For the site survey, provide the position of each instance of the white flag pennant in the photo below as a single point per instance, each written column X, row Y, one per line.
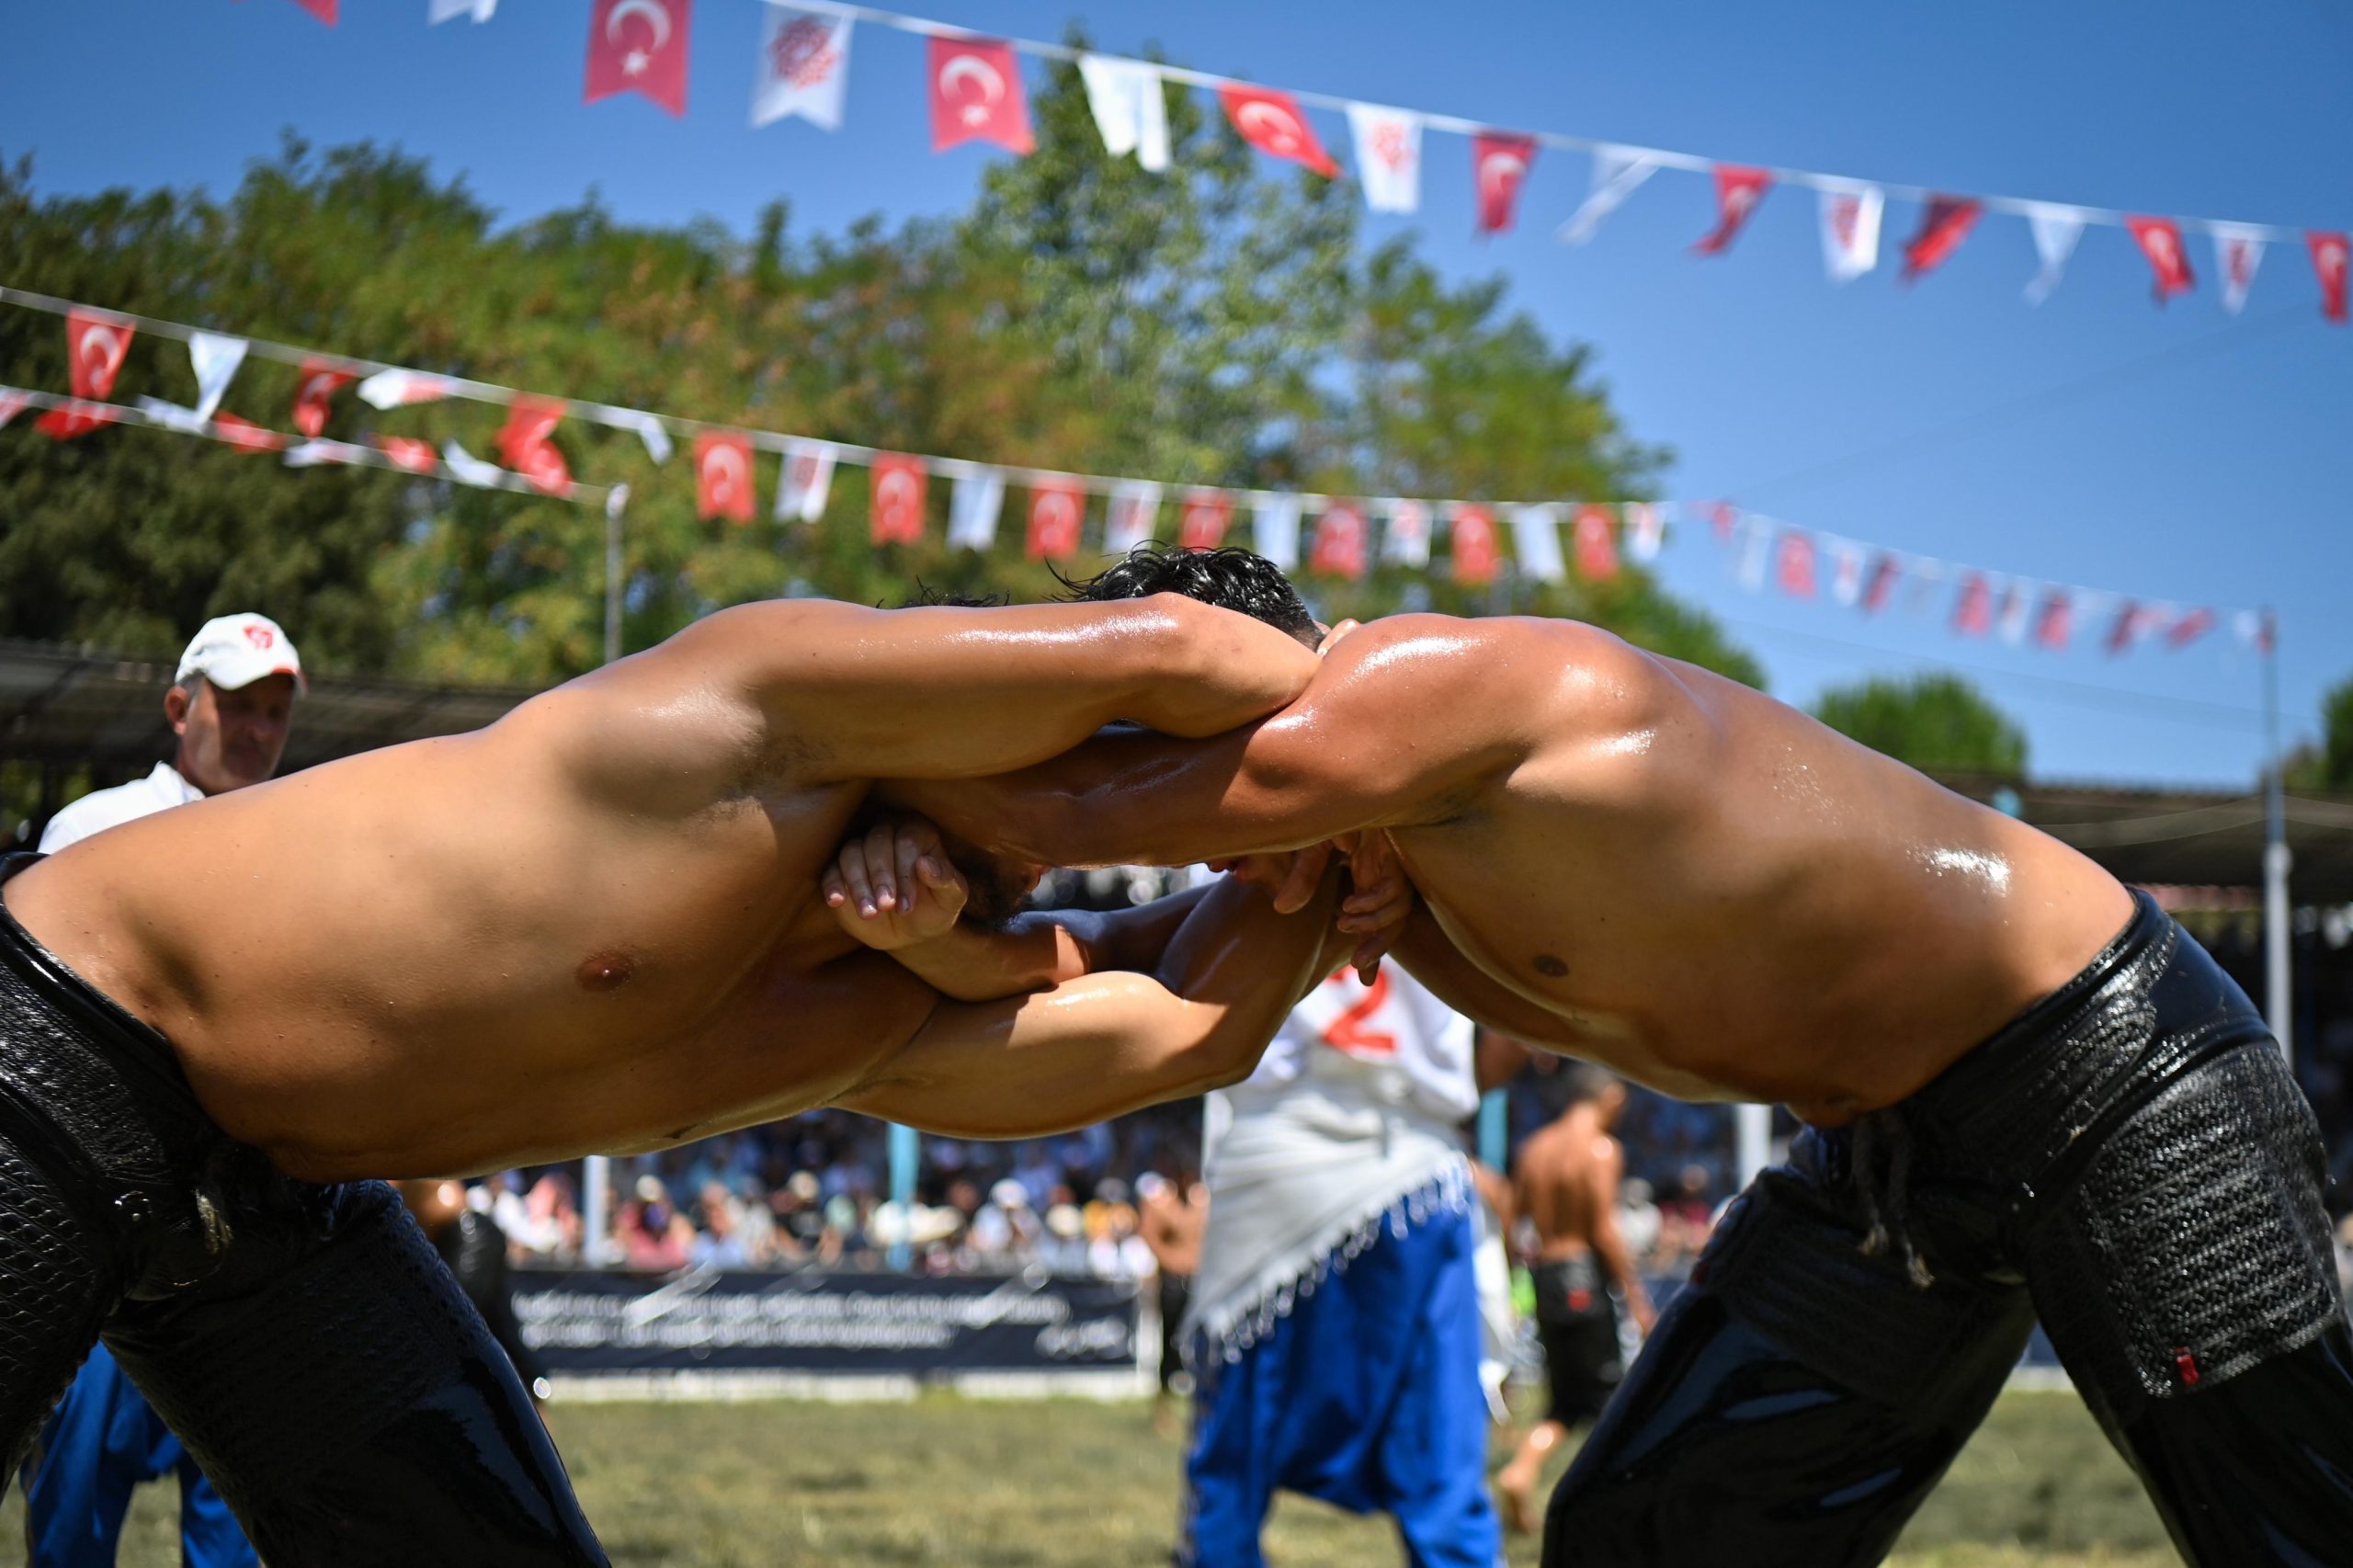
column 313, row 454
column 1757, row 539
column 479, row 10
column 1130, row 110
column 468, row 469
column 808, row 480
column 804, row 67
column 391, row 389
column 647, row 428
column 215, row 359
column 2056, row 230
column 1407, row 539
column 1618, row 173
column 1536, row 541
column 1645, row 528
column 1389, row 156
column 1850, row 216
column 1846, row 571
column 1275, row 529
column 974, row 509
column 1134, row 511
column 170, row 416
column 2238, row 250
column 2017, row 605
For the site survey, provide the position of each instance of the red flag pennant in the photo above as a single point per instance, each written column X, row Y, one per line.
column 2132, row 622
column 1738, row 190
column 1880, row 587
column 1057, row 507
column 1595, row 544
column 1272, row 122
column 526, row 444
column 976, row 94
column 95, row 345
column 73, row 421
column 897, row 515
column 1499, row 166
column 247, row 436
column 2189, row 628
column 1723, row 516
column 405, row 451
column 723, row 483
column 1944, row 223
column 1794, row 568
column 1475, row 552
column 2329, row 255
column 314, row 394
column 1201, row 524
column 324, row 10
column 639, row 46
column 1340, row 542
column 2160, row 241
column 2054, row 623
column 1975, row 617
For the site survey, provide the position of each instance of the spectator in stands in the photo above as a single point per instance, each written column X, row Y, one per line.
column 653, row 1235
column 1062, row 1250
column 230, row 706
column 719, row 1235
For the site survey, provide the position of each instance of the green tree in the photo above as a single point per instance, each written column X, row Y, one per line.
column 1935, row 721
column 2330, row 764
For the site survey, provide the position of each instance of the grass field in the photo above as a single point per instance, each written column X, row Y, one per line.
column 1073, row 1485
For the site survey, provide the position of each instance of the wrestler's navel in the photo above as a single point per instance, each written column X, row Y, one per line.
column 1547, row 964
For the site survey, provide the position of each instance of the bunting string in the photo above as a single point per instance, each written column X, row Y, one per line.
column 977, row 94
column 1347, row 537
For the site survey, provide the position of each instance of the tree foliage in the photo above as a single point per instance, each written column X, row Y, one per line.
column 1213, row 324
column 2328, row 764
column 1936, row 721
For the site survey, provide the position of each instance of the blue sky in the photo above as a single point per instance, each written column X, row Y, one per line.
column 2169, row 454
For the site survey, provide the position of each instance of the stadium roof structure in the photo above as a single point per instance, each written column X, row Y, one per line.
column 72, row 709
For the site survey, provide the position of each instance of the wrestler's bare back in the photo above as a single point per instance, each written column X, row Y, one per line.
column 1621, row 855
column 595, row 925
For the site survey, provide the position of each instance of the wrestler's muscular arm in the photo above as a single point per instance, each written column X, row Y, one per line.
column 1602, row 1174
column 1108, row 1043
column 1401, row 722
column 935, row 693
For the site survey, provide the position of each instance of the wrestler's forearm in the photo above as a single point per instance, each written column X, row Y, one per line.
column 1042, row 949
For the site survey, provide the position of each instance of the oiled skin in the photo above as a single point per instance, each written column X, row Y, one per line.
column 595, row 923
column 1621, row 855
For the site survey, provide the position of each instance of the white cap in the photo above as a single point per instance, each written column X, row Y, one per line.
column 232, row 651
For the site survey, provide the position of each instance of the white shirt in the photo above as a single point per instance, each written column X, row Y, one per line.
column 1391, row 1041
column 103, row 808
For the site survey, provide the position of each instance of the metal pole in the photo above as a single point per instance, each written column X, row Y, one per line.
column 2278, row 1008
column 1752, row 1140
column 902, row 1186
column 1495, row 1129
column 596, row 1170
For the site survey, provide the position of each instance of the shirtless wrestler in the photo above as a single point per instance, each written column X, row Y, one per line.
column 2030, row 1091
column 593, row 926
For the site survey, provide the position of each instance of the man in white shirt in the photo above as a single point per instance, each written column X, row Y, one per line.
column 229, row 704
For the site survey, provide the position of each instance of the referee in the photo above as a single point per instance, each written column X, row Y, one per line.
column 229, row 704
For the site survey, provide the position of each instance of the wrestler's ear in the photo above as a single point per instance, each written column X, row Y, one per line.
column 175, row 707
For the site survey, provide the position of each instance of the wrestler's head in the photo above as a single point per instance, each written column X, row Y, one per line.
column 1582, row 1082
column 1238, row 580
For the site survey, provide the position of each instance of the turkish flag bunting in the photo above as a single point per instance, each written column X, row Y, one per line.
column 2160, row 241
column 12, row 404
column 1475, row 554
column 2133, row 621
column 1975, row 617
column 2330, row 252
column 247, row 436
column 1723, row 516
column 1057, row 506
column 976, row 94
column 1272, row 122
column 1595, row 544
column 639, row 46
column 73, row 421
column 1944, row 223
column 408, row 452
column 897, row 516
column 724, row 483
column 1880, row 587
column 525, row 443
column 324, row 10
column 1499, row 166
column 2055, row 621
column 95, row 345
column 1340, row 538
column 314, row 394
column 1738, row 190
column 2192, row 625
column 1201, row 524
column 1794, row 567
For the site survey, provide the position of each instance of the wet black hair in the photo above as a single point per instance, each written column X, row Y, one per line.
column 1228, row 577
column 1583, row 1081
